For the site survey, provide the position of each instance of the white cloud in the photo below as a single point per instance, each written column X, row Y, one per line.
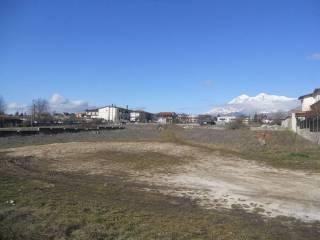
column 13, row 105
column 314, row 56
column 262, row 103
column 16, row 107
column 59, row 103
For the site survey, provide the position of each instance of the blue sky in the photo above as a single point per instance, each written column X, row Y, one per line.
column 163, row 55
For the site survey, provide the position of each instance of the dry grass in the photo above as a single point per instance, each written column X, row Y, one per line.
column 60, row 205
column 140, row 161
column 281, row 149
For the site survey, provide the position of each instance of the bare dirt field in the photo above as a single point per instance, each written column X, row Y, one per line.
column 175, row 184
column 214, row 181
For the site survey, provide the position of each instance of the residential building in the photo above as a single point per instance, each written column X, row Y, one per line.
column 193, row 119
column 92, row 113
column 225, row 120
column 306, row 122
column 114, row 114
column 80, row 115
column 309, row 110
column 166, row 117
column 206, row 119
column 140, row 116
column 182, row 118
column 309, row 99
column 88, row 114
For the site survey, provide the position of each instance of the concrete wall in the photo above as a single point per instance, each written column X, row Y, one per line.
column 293, row 124
column 311, row 136
column 287, row 123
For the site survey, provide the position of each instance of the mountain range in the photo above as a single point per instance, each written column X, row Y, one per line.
column 262, row 103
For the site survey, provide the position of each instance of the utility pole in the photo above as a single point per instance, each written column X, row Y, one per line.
column 33, row 109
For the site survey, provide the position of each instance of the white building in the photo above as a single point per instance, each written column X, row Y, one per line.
column 134, row 116
column 114, row 114
column 88, row 114
column 140, row 116
column 309, row 99
column 91, row 113
column 307, row 103
column 225, row 120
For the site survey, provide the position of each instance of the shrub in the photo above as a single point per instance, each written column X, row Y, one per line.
column 237, row 124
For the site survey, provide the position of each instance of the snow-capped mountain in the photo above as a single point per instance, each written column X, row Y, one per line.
column 262, row 103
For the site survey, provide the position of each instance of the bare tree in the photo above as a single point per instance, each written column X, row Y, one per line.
column 39, row 109
column 3, row 106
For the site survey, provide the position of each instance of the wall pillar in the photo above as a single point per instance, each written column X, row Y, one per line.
column 293, row 122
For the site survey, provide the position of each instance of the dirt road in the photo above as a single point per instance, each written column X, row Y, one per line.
column 212, row 180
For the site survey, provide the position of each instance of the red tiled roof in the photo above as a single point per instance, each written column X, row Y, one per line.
column 306, row 114
column 166, row 114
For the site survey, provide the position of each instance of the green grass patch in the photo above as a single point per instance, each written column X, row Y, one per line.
column 298, row 155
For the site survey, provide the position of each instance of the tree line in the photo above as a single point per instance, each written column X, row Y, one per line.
column 38, row 108
column 38, row 112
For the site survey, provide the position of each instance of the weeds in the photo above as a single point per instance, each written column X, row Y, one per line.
column 61, row 205
column 280, row 149
column 96, row 207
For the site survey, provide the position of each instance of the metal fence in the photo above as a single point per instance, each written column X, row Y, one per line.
column 311, row 123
